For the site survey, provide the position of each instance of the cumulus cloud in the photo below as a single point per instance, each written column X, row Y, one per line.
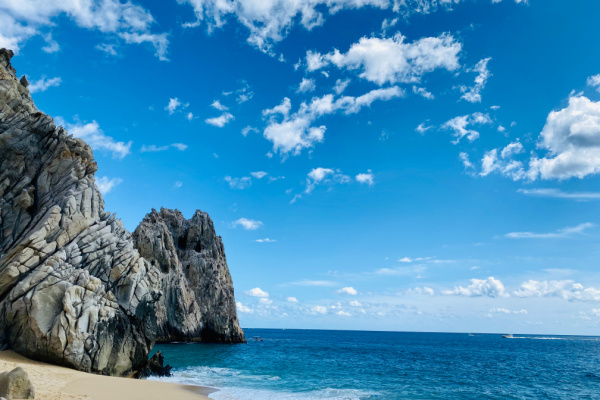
column 341, row 85
column 423, row 92
column 256, row 292
column 502, row 161
column 248, row 224
column 347, row 290
column 366, row 178
column 318, row 310
column 307, row 85
column 95, row 137
column 594, row 81
column 422, row 290
column 221, row 120
column 292, row 133
column 490, row 287
column 473, row 94
column 154, row 148
column 243, row 309
column 354, row 303
column 269, row 22
column 292, row 300
column 259, row 174
column 239, row 183
column 460, row 125
column 23, row 19
column 566, row 289
column 217, row 105
column 324, row 176
column 248, row 129
column 43, row 84
column 557, row 193
column 561, row 233
column 422, row 128
column 105, row 184
column 175, row 105
column 571, row 137
column 391, row 60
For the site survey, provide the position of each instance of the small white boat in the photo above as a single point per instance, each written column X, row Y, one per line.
column 509, row 336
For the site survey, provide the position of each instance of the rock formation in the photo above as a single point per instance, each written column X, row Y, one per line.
column 74, row 291
column 15, row 384
column 198, row 302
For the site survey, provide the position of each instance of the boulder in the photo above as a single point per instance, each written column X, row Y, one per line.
column 15, row 384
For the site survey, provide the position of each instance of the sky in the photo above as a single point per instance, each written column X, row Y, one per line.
column 405, row 165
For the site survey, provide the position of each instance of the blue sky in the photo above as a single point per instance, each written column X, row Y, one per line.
column 370, row 164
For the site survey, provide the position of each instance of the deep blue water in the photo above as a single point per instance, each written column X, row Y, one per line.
column 311, row 364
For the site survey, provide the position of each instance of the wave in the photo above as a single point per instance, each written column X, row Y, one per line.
column 237, row 385
column 555, row 338
column 235, row 393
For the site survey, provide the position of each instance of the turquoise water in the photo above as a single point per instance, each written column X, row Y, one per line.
column 311, row 364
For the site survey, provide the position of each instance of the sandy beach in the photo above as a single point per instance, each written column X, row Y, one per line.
column 58, row 383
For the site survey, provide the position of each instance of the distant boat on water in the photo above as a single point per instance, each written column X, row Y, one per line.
column 258, row 339
column 509, row 336
column 470, row 334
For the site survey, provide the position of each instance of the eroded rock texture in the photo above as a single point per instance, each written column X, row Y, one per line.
column 73, row 289
column 198, row 301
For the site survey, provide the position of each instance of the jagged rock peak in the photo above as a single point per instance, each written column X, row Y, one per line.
column 199, row 302
column 73, row 289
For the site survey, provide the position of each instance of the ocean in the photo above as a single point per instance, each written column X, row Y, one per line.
column 314, row 364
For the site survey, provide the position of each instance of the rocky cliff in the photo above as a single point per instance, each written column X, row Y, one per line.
column 74, row 290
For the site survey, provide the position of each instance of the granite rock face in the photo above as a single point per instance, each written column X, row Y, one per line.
column 74, row 290
column 198, row 302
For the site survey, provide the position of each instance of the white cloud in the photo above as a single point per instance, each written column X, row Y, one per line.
column 265, row 240
column 177, row 184
column 500, row 310
column 23, row 19
column 561, row 233
column 366, row 178
column 43, row 84
column 292, row 300
column 105, row 184
column 405, row 260
column 391, row 60
column 422, row 128
column 503, row 162
column 423, row 92
column 307, row 85
column 473, row 94
column 269, row 22
column 95, row 137
column 248, row 129
column 343, row 313
column 154, row 148
column 594, row 81
column 292, row 133
column 423, row 290
column 248, row 224
column 107, row 48
column 318, row 310
column 256, row 292
column 324, row 176
column 239, row 183
column 217, row 105
column 175, row 105
column 347, row 290
column 557, row 193
column 464, row 157
column 566, row 289
column 220, row 121
column 572, row 138
column 243, row 309
column 490, row 287
column 461, row 124
column 259, row 174
column 341, row 85
column 354, row 303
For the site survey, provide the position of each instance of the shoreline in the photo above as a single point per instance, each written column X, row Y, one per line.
column 52, row 382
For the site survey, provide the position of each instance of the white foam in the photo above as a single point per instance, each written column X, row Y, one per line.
column 235, row 393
